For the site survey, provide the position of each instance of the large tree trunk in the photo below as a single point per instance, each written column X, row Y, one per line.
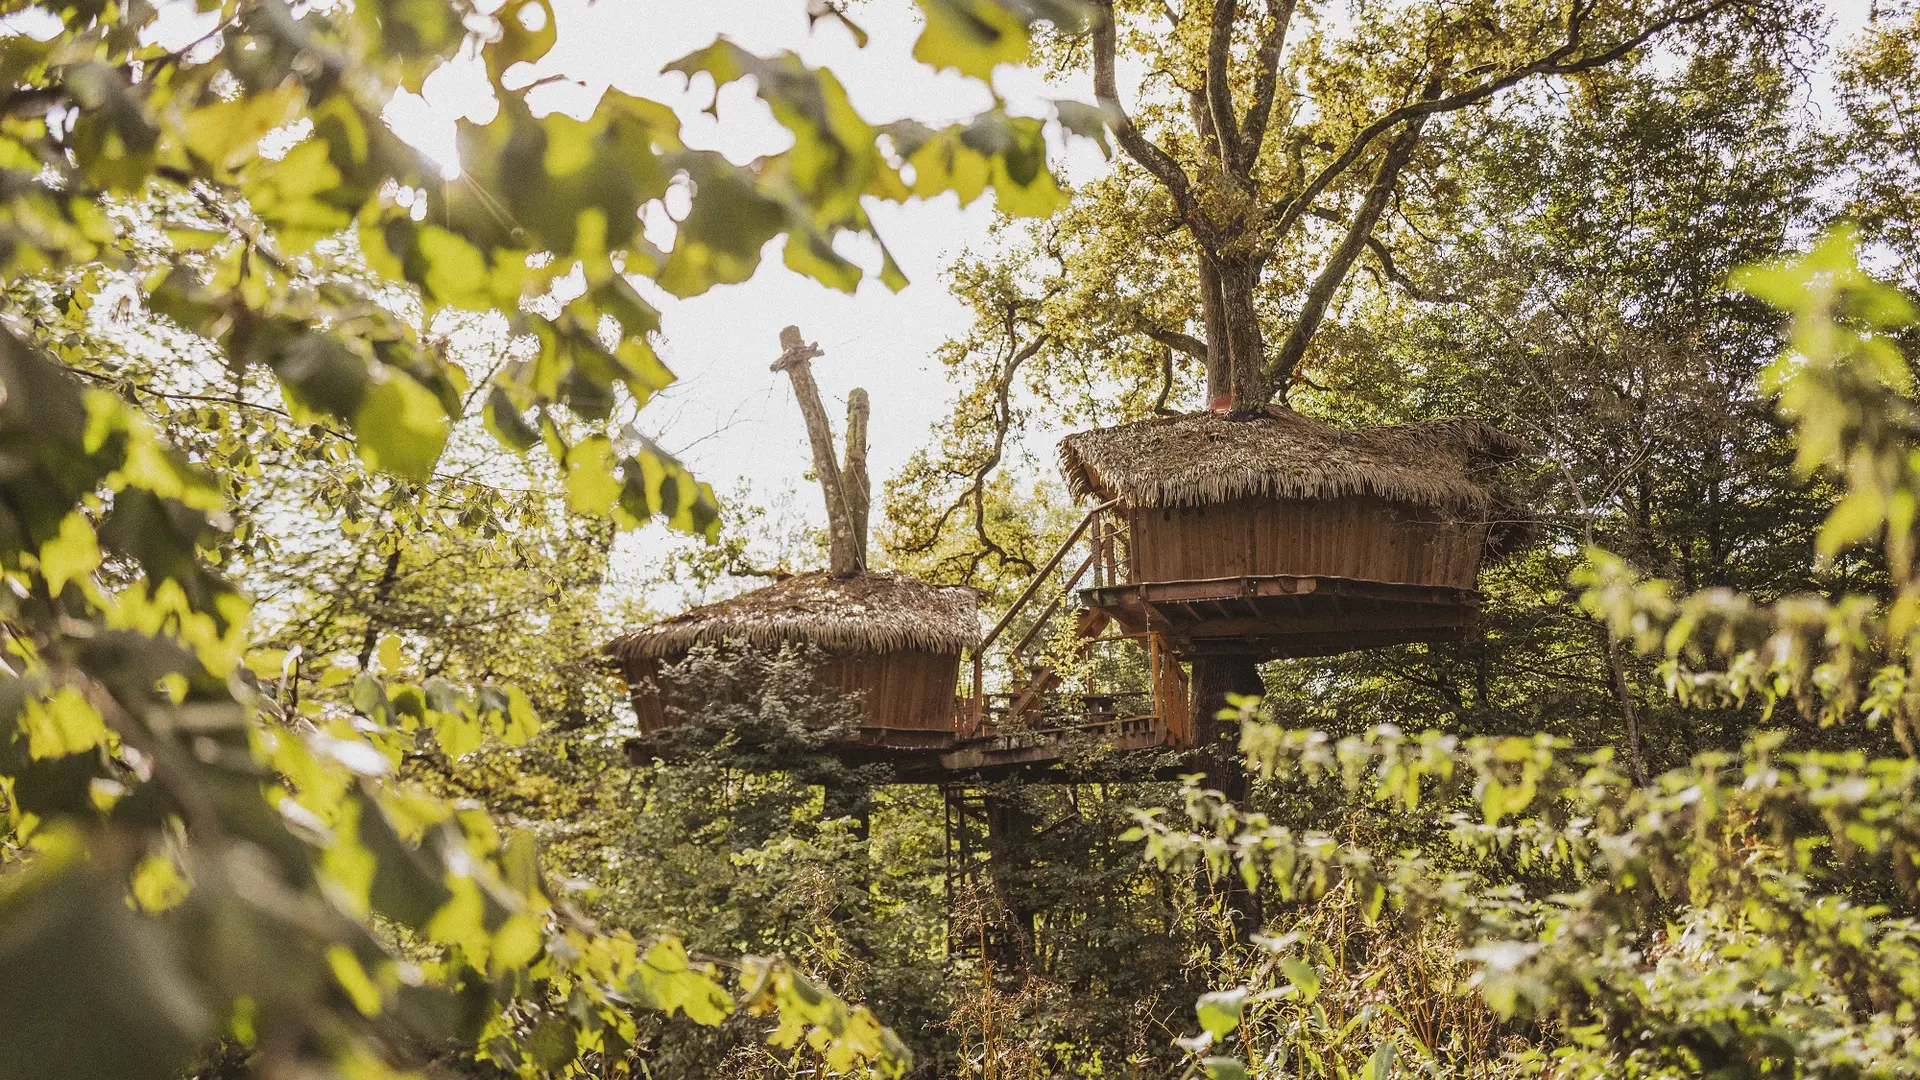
column 1236, row 344
column 1215, row 677
column 1245, row 341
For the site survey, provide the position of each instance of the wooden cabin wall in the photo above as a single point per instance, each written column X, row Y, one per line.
column 1355, row 537
column 908, row 690
column 649, row 706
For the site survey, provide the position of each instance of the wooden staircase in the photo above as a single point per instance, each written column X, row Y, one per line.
column 1033, row 722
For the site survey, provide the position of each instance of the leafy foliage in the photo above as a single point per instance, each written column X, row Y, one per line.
column 220, row 261
column 1746, row 914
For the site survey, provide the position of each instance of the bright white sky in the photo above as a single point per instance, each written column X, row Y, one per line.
column 729, row 417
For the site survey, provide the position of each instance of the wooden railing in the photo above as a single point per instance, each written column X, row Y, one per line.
column 1032, row 705
column 974, row 714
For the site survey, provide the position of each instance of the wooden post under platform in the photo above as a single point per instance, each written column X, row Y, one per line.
column 1214, row 678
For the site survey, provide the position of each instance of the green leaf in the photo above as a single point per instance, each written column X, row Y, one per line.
column 552, row 1044
column 527, row 31
column 72, row 554
column 92, row 991
column 1224, row 1068
column 62, row 724
column 456, row 272
column 392, row 659
column 507, row 423
column 457, row 733
column 1304, row 978
column 400, row 427
column 353, row 979
column 1219, row 1011
column 224, row 133
column 1380, row 1065
column 1086, row 121
column 522, row 721
column 592, row 487
column 1858, row 517
column 971, row 36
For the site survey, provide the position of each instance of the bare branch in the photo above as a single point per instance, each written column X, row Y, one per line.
column 1003, row 421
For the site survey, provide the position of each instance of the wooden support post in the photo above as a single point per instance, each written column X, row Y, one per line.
column 1170, row 701
column 846, row 557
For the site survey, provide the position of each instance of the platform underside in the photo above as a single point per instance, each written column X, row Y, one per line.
column 1082, row 752
column 1277, row 616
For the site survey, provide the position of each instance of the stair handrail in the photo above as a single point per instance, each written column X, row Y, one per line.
column 1026, row 597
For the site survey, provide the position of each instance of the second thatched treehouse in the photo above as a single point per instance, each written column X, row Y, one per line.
column 887, row 640
column 1281, row 535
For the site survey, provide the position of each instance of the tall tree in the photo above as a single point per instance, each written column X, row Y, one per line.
column 1273, row 134
column 1210, row 270
column 1878, row 83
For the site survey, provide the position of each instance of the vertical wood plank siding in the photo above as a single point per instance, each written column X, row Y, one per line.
column 909, row 690
column 1355, row 537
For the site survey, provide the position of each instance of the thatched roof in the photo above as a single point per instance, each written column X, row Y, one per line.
column 1206, row 458
column 872, row 613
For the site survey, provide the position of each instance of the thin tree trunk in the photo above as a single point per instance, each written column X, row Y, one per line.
column 845, row 557
column 853, row 471
column 1629, row 711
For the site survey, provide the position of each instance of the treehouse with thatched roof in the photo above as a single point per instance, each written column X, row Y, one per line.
column 887, row 641
column 1281, row 535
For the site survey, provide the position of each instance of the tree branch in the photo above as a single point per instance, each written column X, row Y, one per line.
column 1331, row 275
column 1166, row 385
column 1561, row 61
column 1003, row 421
column 1219, row 81
column 1407, row 284
column 1174, row 339
column 1156, row 161
column 1390, row 271
column 1266, row 82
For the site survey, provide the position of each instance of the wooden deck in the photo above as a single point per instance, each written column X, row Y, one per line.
column 1099, row 749
column 1283, row 615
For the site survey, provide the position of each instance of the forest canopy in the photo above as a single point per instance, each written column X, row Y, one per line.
column 315, row 457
